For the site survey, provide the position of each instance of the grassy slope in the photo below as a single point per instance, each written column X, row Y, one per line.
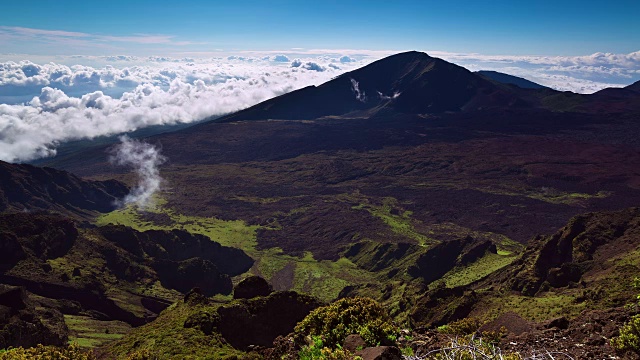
column 167, row 338
column 88, row 332
column 323, row 279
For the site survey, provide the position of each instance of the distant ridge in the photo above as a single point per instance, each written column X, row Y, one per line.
column 409, row 82
column 31, row 188
column 510, row 79
column 634, row 87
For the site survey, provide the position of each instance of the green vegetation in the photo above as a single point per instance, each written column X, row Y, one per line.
column 477, row 270
column 400, row 223
column 89, row 333
column 168, row 338
column 554, row 196
column 316, row 350
column 407, row 351
column 71, row 352
column 234, row 233
column 629, row 339
column 537, row 308
column 323, row 279
column 466, row 326
column 334, row 322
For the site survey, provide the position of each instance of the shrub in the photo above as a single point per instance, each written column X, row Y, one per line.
column 316, row 350
column 334, row 322
column 71, row 352
column 466, row 326
column 144, row 354
column 629, row 339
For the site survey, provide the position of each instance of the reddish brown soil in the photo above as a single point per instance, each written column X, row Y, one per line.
column 484, row 171
column 586, row 337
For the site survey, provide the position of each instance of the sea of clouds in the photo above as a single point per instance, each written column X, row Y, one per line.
column 45, row 103
column 581, row 74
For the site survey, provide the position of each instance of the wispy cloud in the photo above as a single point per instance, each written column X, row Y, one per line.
column 145, row 159
column 85, row 40
column 15, row 30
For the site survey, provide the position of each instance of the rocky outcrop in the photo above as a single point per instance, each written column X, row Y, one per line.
column 27, row 187
column 353, row 343
column 21, row 324
column 439, row 259
column 177, row 259
column 562, row 258
column 181, row 260
column 442, row 306
column 373, row 256
column 195, row 272
column 39, row 235
column 259, row 321
column 252, row 287
column 178, row 245
column 380, row 353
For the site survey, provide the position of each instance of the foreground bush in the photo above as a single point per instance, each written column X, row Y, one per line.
column 334, row 322
column 71, row 352
column 318, row 351
column 629, row 339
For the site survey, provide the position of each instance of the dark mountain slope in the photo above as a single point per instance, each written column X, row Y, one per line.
column 119, row 272
column 622, row 100
column 27, row 187
column 588, row 264
column 588, row 244
column 410, row 82
column 635, row 86
column 510, row 79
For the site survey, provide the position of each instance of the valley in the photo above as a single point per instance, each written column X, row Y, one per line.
column 469, row 201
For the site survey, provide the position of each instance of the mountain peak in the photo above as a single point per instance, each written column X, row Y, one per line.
column 410, row 82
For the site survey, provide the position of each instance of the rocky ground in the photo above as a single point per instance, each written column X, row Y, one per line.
column 584, row 337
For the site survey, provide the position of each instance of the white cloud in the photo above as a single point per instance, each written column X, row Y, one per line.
column 346, row 59
column 44, row 102
column 76, row 102
column 581, row 74
column 313, row 66
column 281, row 58
column 309, row 65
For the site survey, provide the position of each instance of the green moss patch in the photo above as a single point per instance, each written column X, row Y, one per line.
column 323, row 279
column 477, row 270
column 88, row 332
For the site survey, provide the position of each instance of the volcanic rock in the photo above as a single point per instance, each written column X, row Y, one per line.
column 251, row 287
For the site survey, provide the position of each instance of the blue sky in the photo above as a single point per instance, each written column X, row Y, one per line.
column 156, row 27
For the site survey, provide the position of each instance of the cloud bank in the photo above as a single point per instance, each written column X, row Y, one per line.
column 45, row 103
column 582, row 74
column 80, row 102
